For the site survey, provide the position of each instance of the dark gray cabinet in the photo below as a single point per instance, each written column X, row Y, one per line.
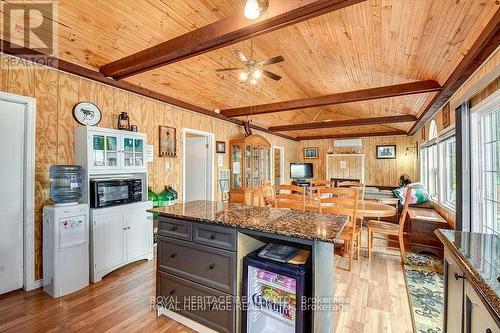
column 198, row 260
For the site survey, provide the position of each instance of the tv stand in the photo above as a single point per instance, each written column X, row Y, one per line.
column 302, row 182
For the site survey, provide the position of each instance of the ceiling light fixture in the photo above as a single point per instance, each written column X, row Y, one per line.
column 253, row 80
column 243, row 76
column 257, row 73
column 255, row 8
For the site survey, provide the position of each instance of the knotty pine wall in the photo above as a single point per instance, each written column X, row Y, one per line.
column 377, row 172
column 56, row 93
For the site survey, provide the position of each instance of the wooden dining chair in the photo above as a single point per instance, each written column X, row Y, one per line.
column 354, row 184
column 290, row 196
column 343, row 201
column 267, row 193
column 390, row 229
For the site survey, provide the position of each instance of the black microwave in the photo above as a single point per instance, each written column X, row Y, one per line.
column 111, row 192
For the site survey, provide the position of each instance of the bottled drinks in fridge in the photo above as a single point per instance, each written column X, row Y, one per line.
column 273, row 292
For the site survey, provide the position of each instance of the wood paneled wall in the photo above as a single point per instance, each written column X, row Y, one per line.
column 56, row 93
column 377, row 172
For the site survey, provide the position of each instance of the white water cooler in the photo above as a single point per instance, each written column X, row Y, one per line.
column 65, row 248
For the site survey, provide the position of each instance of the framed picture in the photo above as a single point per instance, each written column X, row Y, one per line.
column 386, row 151
column 220, row 147
column 446, row 115
column 311, row 152
column 168, row 141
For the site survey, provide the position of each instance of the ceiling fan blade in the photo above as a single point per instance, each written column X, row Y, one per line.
column 271, row 61
column 271, row 75
column 240, row 56
column 228, row 69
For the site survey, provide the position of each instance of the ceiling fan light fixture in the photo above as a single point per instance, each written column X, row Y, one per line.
column 257, row 73
column 243, row 76
column 253, row 80
column 255, row 8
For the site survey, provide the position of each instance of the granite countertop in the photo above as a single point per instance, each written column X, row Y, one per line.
column 479, row 257
column 306, row 225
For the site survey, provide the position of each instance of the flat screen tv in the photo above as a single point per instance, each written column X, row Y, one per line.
column 301, row 170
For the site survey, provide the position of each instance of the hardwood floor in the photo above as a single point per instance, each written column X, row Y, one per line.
column 121, row 301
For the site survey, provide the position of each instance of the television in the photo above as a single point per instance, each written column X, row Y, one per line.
column 301, row 170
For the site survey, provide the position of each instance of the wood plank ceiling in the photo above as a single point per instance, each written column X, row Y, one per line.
column 370, row 44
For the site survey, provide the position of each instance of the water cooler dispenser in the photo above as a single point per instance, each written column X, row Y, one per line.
column 65, row 234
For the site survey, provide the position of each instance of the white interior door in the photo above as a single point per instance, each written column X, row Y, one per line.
column 196, row 169
column 12, row 124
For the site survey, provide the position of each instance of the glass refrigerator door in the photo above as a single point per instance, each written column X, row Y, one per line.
column 272, row 301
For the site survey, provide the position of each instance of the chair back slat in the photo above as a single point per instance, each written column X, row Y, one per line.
column 341, row 201
column 294, row 198
column 267, row 193
column 402, row 217
column 321, row 183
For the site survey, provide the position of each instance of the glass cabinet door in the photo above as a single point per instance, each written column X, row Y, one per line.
column 248, row 166
column 255, row 159
column 133, row 152
column 236, row 167
column 139, row 152
column 104, row 150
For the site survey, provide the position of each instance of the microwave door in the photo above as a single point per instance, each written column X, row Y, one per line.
column 113, row 193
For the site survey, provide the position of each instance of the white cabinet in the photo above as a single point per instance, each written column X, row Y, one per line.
column 108, row 240
column 103, row 150
column 476, row 316
column 119, row 235
column 454, row 295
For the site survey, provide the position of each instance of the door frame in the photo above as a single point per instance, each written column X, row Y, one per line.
column 282, row 162
column 211, row 159
column 346, row 155
column 29, row 282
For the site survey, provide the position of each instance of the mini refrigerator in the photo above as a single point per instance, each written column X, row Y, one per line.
column 65, row 248
column 272, row 294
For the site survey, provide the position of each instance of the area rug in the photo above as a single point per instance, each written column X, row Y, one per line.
column 425, row 286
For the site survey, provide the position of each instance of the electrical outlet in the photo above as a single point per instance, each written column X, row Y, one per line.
column 167, row 166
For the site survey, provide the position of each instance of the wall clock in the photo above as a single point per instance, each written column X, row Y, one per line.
column 87, row 114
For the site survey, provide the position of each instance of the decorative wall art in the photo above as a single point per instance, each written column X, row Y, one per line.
column 168, row 141
column 311, row 152
column 386, row 151
column 220, row 147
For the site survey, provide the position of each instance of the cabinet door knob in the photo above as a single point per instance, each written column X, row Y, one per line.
column 173, row 255
column 172, row 292
column 212, row 236
column 211, row 266
column 457, row 276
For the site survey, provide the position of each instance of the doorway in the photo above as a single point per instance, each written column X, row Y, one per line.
column 17, row 135
column 198, row 165
column 278, row 165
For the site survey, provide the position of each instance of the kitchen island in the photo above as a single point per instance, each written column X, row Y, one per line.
column 201, row 245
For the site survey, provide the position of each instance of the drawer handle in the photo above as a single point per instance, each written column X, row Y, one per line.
column 458, row 276
column 211, row 266
column 172, row 292
column 173, row 255
column 174, row 228
column 212, row 236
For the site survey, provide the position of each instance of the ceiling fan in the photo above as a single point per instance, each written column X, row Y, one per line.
column 253, row 70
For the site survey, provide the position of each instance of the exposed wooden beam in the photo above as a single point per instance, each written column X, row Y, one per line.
column 483, row 47
column 230, row 30
column 352, row 135
column 417, row 87
column 67, row 67
column 345, row 123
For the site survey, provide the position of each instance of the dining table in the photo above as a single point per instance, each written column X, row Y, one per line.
column 366, row 208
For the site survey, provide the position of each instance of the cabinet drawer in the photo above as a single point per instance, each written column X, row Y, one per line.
column 196, row 302
column 174, row 228
column 206, row 265
column 221, row 237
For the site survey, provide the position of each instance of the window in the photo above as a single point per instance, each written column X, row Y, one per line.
column 449, row 176
column 490, row 171
column 429, row 167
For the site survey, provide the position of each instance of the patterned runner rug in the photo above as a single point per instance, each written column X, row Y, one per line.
column 425, row 286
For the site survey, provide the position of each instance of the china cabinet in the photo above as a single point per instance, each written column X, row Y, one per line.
column 250, row 160
column 110, row 150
